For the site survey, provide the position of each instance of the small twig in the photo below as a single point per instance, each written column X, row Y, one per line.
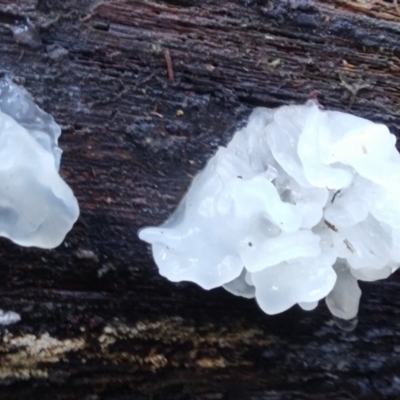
column 21, row 56
column 86, row 18
column 349, row 245
column 108, row 100
column 313, row 95
column 157, row 114
column 353, row 89
column 144, row 80
column 334, row 196
column 169, row 65
column 330, row 226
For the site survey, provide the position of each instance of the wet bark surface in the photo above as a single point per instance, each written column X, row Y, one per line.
column 145, row 91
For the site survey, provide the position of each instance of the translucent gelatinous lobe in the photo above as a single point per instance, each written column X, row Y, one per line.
column 299, row 206
column 37, row 208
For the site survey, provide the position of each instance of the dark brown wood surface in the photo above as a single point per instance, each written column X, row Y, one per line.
column 145, row 91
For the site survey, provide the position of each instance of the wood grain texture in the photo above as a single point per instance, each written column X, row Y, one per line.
column 98, row 322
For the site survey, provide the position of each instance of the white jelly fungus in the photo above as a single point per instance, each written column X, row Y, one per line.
column 9, row 317
column 37, row 208
column 300, row 205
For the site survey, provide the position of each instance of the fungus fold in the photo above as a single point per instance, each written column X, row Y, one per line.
column 299, row 206
column 37, row 208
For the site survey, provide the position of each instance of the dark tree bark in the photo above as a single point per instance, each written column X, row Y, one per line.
column 98, row 322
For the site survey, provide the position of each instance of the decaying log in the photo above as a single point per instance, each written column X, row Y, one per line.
column 145, row 91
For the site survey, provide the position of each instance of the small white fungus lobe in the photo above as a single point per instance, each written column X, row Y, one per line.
column 37, row 208
column 300, row 205
column 9, row 317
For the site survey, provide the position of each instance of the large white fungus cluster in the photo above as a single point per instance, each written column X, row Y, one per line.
column 300, row 205
column 37, row 208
